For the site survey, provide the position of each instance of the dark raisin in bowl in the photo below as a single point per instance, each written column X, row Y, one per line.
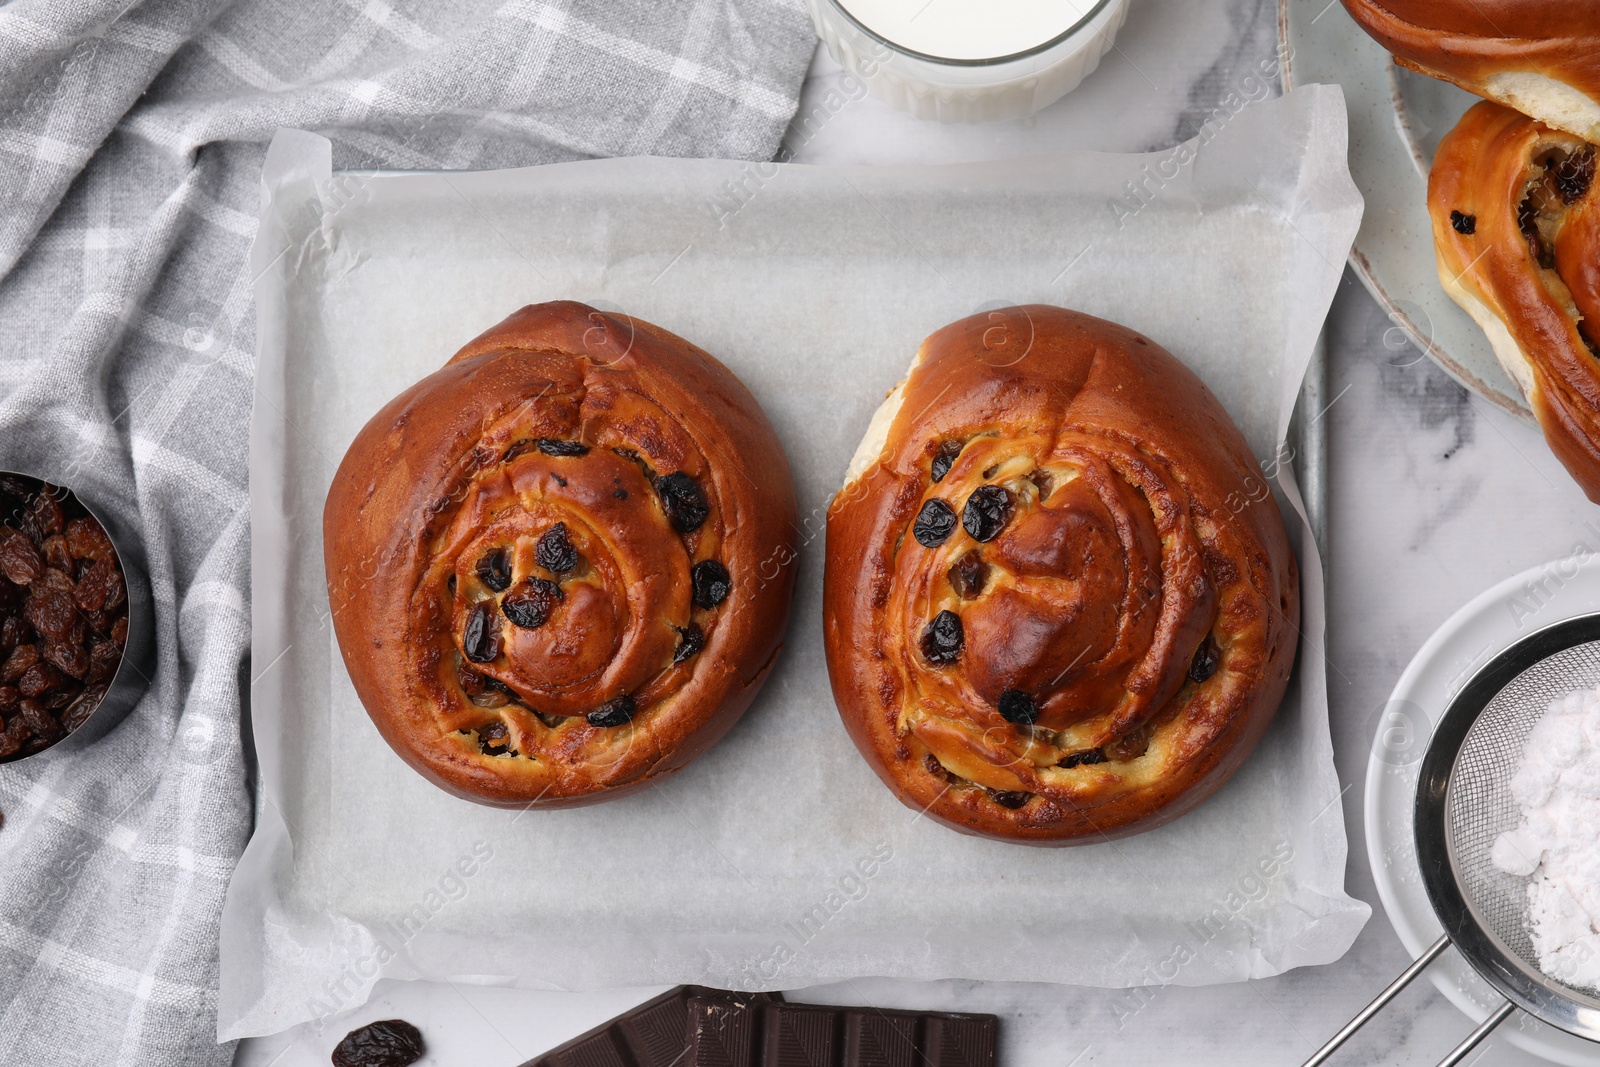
column 74, row 620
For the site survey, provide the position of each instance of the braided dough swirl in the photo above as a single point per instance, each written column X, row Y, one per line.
column 554, row 564
column 1060, row 603
column 1516, row 231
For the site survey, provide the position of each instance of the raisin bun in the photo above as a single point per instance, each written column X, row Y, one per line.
column 1516, row 231
column 1541, row 57
column 1060, row 603
column 553, row 564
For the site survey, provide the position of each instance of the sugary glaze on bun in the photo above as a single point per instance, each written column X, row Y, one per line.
column 1540, row 57
column 1059, row 601
column 560, row 567
column 1516, row 230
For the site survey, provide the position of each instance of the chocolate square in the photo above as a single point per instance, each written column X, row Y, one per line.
column 799, row 1035
column 722, row 1033
column 874, row 1038
column 951, row 1040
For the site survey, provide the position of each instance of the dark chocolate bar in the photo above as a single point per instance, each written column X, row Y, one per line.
column 653, row 1034
column 692, row 1026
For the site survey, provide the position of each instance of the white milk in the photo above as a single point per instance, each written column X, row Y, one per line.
column 969, row 29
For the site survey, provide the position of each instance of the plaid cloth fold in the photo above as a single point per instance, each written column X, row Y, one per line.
column 131, row 141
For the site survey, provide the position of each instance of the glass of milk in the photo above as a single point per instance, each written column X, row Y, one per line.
column 969, row 60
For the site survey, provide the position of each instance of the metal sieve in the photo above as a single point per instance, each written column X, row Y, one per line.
column 1463, row 804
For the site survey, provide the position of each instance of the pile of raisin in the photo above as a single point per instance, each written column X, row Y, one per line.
column 63, row 615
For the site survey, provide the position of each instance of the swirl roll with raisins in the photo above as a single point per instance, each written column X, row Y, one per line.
column 1516, row 231
column 1541, row 57
column 558, row 566
column 1060, row 604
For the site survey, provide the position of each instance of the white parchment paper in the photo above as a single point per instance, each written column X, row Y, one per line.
column 777, row 860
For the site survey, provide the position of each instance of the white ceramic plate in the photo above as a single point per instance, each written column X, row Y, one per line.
column 1397, row 118
column 1515, row 608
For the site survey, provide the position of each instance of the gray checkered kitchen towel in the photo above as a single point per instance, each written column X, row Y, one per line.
column 131, row 142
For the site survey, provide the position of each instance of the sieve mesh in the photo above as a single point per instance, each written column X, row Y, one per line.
column 1479, row 805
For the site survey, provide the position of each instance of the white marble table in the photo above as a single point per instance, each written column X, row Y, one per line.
column 1433, row 496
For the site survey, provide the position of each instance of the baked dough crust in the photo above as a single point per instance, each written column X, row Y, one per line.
column 1516, row 233
column 1542, row 59
column 1140, row 592
column 561, row 415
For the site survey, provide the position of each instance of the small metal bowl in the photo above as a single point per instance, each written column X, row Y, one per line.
column 137, row 666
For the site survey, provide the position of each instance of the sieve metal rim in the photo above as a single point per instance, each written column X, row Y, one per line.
column 1540, row 996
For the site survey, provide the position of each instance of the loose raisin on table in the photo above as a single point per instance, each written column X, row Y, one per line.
column 945, row 458
column 390, row 1043
column 529, row 605
column 712, row 583
column 555, row 552
column 987, row 511
column 682, row 500
column 935, row 523
column 942, row 639
column 1018, row 707
column 20, row 559
column 494, row 569
column 614, row 712
column 481, row 638
column 969, row 575
column 691, row 639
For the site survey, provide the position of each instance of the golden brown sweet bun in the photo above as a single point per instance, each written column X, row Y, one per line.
column 552, row 563
column 1060, row 604
column 1516, row 229
column 1541, row 57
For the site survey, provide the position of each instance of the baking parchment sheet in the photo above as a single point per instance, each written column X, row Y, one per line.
column 777, row 860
